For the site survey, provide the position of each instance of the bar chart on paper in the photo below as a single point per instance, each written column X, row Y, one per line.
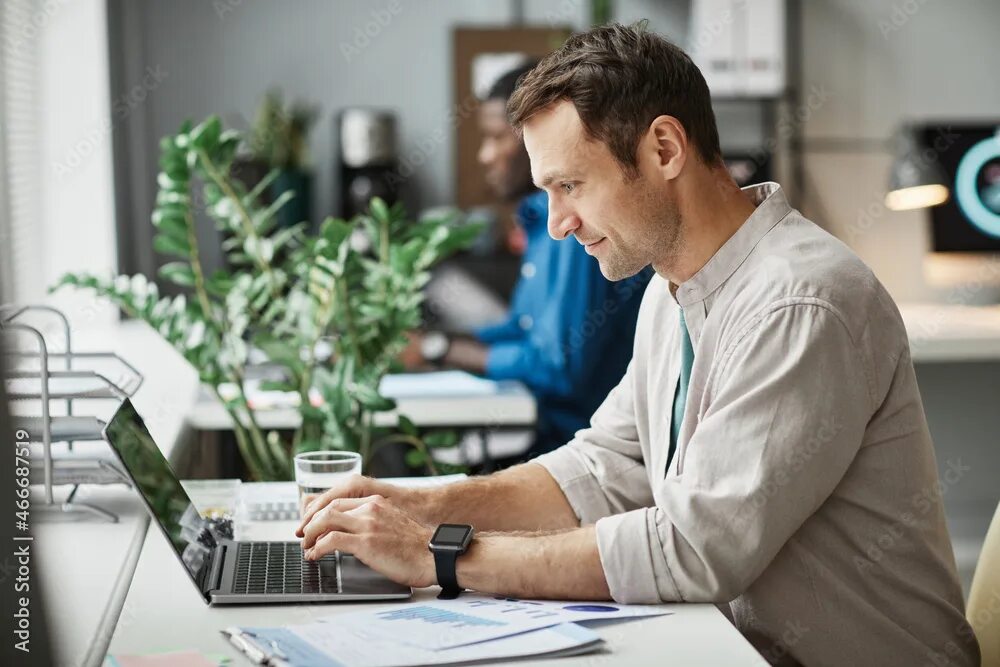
column 435, row 616
column 472, row 618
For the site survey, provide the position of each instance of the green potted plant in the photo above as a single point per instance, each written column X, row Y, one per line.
column 285, row 292
column 279, row 140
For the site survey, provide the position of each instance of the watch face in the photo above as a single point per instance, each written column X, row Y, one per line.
column 434, row 346
column 450, row 535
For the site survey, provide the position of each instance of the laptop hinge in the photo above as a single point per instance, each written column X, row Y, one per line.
column 214, row 579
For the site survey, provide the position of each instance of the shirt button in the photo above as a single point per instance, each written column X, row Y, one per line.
column 525, row 321
column 528, row 270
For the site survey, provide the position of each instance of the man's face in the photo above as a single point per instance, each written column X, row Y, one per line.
column 508, row 171
column 626, row 222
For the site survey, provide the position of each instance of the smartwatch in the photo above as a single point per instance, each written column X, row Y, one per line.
column 449, row 541
column 434, row 346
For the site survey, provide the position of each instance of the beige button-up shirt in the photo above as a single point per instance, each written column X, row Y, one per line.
column 803, row 497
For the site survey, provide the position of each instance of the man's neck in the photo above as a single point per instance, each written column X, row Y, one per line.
column 712, row 208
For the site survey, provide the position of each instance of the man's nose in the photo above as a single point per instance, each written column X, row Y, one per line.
column 562, row 222
column 486, row 153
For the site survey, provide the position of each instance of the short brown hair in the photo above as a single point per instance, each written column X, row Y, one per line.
column 620, row 78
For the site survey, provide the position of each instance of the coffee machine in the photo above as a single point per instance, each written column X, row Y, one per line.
column 368, row 159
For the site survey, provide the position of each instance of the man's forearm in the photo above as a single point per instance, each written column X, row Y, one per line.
column 562, row 565
column 467, row 354
column 524, row 498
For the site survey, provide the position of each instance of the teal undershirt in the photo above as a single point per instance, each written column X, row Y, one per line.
column 680, row 396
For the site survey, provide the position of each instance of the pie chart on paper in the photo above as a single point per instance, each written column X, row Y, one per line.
column 590, row 608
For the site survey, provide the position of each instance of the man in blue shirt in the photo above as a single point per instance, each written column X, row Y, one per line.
column 568, row 335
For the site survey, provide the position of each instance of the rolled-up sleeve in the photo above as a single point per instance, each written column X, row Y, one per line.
column 789, row 401
column 601, row 471
column 506, row 330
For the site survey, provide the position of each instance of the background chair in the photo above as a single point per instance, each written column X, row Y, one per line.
column 983, row 610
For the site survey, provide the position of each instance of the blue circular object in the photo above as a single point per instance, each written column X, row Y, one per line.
column 966, row 193
column 589, row 607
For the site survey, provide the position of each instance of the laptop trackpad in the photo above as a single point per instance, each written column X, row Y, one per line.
column 358, row 578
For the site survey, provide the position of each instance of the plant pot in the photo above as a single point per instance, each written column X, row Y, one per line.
column 298, row 209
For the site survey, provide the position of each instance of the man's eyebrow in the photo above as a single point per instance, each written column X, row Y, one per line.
column 548, row 178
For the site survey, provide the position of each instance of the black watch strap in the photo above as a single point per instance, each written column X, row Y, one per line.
column 445, row 563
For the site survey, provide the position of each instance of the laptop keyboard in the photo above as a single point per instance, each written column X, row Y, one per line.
column 278, row 567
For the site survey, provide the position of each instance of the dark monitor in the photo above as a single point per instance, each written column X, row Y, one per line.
column 192, row 537
column 969, row 156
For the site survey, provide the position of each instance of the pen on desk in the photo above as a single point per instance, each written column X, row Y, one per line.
column 247, row 648
column 239, row 638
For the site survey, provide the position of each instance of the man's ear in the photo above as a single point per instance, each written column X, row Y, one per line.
column 666, row 146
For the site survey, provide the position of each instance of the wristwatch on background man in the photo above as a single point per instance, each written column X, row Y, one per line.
column 449, row 541
column 434, row 346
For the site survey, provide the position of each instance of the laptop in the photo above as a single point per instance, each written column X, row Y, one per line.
column 226, row 571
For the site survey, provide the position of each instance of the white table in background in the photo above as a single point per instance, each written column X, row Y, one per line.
column 499, row 422
column 511, row 406
column 941, row 332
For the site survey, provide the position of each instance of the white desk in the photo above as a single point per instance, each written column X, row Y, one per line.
column 87, row 565
column 165, row 612
column 952, row 333
column 512, row 406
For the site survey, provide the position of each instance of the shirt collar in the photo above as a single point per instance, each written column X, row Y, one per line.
column 772, row 207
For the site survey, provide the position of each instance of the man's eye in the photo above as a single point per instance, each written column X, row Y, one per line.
column 568, row 187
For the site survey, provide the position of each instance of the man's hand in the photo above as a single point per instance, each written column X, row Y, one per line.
column 412, row 357
column 376, row 532
column 356, row 486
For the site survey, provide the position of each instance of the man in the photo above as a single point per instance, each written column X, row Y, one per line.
column 569, row 330
column 767, row 449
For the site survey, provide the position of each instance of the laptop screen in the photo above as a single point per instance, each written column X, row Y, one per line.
column 189, row 534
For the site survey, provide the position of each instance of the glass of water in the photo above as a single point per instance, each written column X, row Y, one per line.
column 316, row 472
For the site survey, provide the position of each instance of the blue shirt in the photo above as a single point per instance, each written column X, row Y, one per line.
column 569, row 332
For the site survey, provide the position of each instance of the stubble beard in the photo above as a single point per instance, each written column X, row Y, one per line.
column 658, row 240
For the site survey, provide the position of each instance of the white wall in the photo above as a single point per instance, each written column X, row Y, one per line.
column 223, row 56
column 77, row 223
column 882, row 63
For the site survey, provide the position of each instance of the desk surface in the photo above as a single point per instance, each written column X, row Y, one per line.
column 512, row 406
column 941, row 332
column 165, row 612
column 87, row 565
